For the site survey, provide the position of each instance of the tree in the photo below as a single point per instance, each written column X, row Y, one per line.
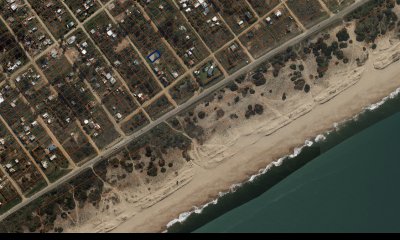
column 259, row 79
column 259, row 109
column 307, row 88
column 343, row 35
column 220, row 113
column 201, row 115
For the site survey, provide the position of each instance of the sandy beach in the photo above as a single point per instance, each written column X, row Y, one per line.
column 255, row 149
column 233, row 147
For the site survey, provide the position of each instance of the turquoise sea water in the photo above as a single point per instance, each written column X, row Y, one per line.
column 347, row 183
column 353, row 187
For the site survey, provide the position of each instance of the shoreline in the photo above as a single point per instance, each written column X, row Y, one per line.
column 206, row 185
column 277, row 163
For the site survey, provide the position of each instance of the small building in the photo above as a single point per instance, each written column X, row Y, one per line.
column 248, row 16
column 52, row 147
column 154, row 56
column 70, row 24
column 233, row 47
column 53, row 157
column 45, row 164
column 210, row 71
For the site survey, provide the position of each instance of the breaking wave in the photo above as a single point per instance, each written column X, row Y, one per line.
column 319, row 138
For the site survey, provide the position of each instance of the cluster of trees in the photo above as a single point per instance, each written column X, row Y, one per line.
column 324, row 53
column 279, row 61
column 258, row 79
column 253, row 110
column 373, row 19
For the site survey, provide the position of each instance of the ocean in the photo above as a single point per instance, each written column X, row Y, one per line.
column 342, row 181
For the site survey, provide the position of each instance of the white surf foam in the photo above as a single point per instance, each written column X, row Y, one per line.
column 321, row 137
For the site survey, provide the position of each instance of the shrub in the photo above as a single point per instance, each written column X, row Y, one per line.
column 343, row 35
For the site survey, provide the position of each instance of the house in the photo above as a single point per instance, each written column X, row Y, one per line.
column 248, row 16
column 70, row 24
column 210, row 71
column 53, row 157
column 268, row 20
column 45, row 164
column 233, row 47
column 52, row 147
column 154, row 56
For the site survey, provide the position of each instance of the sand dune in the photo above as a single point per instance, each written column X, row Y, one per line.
column 234, row 149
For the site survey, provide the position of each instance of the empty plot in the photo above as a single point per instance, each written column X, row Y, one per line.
column 8, row 195
column 24, row 123
column 309, row 12
column 55, row 16
column 55, row 66
column 109, row 38
column 18, row 165
column 175, row 29
column 83, row 9
column 233, row 58
column 276, row 28
column 27, row 28
column 185, row 89
column 93, row 69
column 12, row 56
column 159, row 107
column 135, row 123
column 262, row 7
column 206, row 21
column 140, row 30
column 337, row 5
column 237, row 14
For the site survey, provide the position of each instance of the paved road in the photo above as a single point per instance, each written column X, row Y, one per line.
column 111, row 151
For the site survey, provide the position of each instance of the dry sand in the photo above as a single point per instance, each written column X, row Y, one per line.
column 233, row 151
column 378, row 79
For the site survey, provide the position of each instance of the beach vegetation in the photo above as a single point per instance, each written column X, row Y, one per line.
column 259, row 79
column 343, row 35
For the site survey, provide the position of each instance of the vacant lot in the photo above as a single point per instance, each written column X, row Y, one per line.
column 55, row 16
column 278, row 27
column 135, row 123
column 237, row 14
column 93, row 69
column 8, row 195
column 33, row 136
column 233, row 58
column 22, row 171
column 148, row 40
column 262, row 7
column 309, row 12
column 55, row 66
column 83, row 9
column 337, row 5
column 159, row 107
column 206, row 21
column 12, row 56
column 125, row 59
column 184, row 89
column 174, row 28
column 26, row 27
